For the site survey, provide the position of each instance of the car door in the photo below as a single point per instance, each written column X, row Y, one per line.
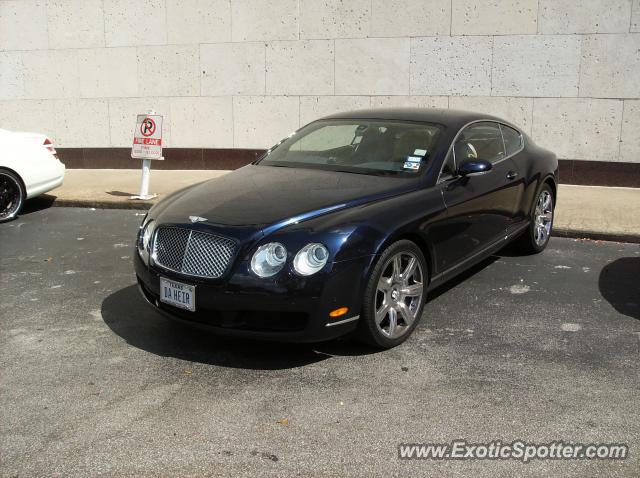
column 479, row 207
column 514, row 147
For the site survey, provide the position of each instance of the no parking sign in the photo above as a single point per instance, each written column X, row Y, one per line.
column 147, row 137
column 147, row 145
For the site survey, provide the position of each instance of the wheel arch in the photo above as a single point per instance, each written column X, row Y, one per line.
column 17, row 175
column 414, row 237
column 551, row 181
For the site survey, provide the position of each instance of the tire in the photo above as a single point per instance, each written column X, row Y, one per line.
column 12, row 195
column 536, row 237
column 397, row 291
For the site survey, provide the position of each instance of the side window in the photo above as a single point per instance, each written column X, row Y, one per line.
column 512, row 139
column 480, row 141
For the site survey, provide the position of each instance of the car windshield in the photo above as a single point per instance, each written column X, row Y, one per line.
column 358, row 146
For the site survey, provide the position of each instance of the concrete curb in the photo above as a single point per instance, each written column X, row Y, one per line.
column 145, row 205
column 101, row 204
column 596, row 235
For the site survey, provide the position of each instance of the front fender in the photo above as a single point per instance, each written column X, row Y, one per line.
column 368, row 229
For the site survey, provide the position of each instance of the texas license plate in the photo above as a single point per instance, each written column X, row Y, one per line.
column 178, row 294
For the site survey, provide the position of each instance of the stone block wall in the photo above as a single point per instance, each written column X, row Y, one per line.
column 245, row 73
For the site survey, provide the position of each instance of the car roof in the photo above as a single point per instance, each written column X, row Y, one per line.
column 447, row 117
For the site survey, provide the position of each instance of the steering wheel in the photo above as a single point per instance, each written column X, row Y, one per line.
column 472, row 154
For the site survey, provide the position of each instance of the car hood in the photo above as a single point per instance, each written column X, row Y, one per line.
column 263, row 196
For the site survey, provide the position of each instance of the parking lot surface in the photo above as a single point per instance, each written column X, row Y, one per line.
column 94, row 383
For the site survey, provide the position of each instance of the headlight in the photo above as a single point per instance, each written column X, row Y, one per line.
column 310, row 259
column 269, row 259
column 144, row 240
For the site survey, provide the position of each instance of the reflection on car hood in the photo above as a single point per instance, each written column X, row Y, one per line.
column 267, row 195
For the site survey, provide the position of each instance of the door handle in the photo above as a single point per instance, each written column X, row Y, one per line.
column 511, row 175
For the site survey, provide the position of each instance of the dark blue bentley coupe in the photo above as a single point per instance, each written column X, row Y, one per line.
column 346, row 225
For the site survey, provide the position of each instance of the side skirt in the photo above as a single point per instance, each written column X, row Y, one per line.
column 470, row 261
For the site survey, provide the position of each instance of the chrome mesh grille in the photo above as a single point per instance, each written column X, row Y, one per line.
column 192, row 252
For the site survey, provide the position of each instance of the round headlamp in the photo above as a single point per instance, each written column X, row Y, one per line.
column 310, row 259
column 269, row 259
column 144, row 240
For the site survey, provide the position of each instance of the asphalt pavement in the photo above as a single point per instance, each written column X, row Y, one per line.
column 94, row 383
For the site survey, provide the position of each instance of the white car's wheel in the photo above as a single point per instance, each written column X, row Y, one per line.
column 11, row 195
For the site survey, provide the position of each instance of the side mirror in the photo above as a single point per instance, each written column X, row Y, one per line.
column 474, row 166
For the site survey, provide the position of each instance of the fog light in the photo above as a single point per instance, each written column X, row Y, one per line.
column 339, row 312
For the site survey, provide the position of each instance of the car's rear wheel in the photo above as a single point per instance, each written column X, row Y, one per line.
column 394, row 296
column 536, row 237
column 12, row 195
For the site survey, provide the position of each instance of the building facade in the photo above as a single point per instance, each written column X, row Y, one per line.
column 233, row 77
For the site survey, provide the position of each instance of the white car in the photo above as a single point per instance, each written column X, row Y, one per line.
column 29, row 166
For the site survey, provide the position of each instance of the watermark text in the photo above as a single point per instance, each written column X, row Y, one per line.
column 516, row 450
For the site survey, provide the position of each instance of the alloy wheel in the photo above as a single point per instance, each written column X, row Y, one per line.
column 399, row 294
column 10, row 197
column 543, row 218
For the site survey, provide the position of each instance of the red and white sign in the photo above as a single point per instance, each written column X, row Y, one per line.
column 147, row 138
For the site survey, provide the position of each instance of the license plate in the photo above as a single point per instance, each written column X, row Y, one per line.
column 178, row 294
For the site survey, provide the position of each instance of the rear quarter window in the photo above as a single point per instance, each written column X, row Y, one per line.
column 512, row 139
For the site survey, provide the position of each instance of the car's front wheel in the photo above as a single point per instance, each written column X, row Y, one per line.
column 11, row 195
column 394, row 296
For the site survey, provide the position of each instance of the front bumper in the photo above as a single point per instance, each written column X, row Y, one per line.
column 286, row 307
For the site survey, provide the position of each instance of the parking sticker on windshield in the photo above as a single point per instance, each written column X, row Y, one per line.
column 413, row 166
column 414, row 159
column 420, row 152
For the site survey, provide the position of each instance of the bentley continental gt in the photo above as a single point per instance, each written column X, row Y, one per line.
column 346, row 225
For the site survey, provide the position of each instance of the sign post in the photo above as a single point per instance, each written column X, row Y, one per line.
column 147, row 145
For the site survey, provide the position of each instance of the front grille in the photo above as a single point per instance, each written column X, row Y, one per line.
column 192, row 252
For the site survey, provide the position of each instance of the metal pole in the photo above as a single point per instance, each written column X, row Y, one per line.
column 144, row 184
